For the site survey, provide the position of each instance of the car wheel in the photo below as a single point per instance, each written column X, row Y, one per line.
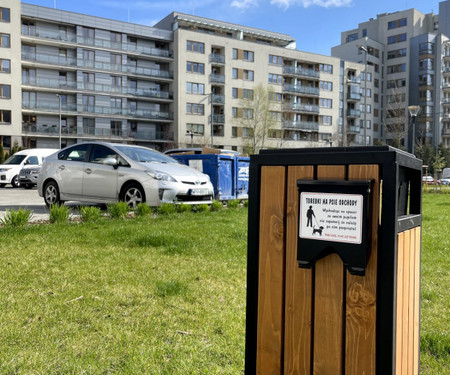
column 15, row 181
column 51, row 194
column 133, row 194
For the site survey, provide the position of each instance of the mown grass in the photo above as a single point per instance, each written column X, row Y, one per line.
column 435, row 286
column 161, row 295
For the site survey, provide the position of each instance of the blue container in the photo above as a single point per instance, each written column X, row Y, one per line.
column 242, row 176
column 221, row 169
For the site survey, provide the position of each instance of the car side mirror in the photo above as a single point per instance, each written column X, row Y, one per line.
column 111, row 161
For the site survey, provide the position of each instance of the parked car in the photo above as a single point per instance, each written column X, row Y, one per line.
column 101, row 172
column 28, row 177
column 429, row 180
column 30, row 158
column 445, row 181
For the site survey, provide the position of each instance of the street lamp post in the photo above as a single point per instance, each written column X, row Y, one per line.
column 59, row 97
column 212, row 120
column 364, row 49
column 413, row 112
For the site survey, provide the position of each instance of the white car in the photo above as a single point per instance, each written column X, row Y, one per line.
column 101, row 172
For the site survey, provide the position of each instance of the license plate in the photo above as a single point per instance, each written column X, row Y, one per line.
column 199, row 191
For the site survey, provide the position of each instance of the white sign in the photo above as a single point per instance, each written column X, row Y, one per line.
column 196, row 164
column 331, row 217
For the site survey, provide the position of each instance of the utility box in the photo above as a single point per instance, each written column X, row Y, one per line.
column 221, row 169
column 333, row 283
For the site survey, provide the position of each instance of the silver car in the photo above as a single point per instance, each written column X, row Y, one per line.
column 101, row 172
column 28, row 176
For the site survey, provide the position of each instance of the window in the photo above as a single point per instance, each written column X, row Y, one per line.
column 235, row 54
column 88, row 58
column 116, row 82
column 234, row 93
column 275, row 97
column 116, row 105
column 28, row 52
column 275, row 79
column 193, row 67
column 396, row 83
column 326, row 86
column 396, row 38
column 116, row 61
column 99, row 153
column 275, row 116
column 426, row 48
column 28, row 76
column 234, row 112
column 89, row 126
column 325, row 103
column 234, row 73
column 28, row 28
column 326, row 68
column 5, row 116
column 5, row 66
column 397, row 23
column 325, row 120
column 195, row 88
column 195, row 109
column 396, row 68
column 28, row 99
column 5, row 91
column 275, row 60
column 88, row 80
column 5, row 40
column 116, row 38
column 198, row 129
column 75, row 153
column 88, row 103
column 5, row 15
column 248, row 75
column 426, row 64
column 247, row 113
column 396, row 53
column 116, row 128
column 248, row 94
column 249, row 56
column 88, row 35
column 352, row 37
column 234, row 131
column 195, row 46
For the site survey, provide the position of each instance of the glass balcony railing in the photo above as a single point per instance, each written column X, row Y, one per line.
column 218, row 119
column 217, row 78
column 352, row 129
column 353, row 113
column 300, row 107
column 69, row 37
column 353, row 79
column 49, row 59
column 353, row 96
column 218, row 99
column 301, row 89
column 216, row 58
column 51, row 83
column 304, row 72
column 302, row 125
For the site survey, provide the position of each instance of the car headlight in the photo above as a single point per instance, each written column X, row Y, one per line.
column 161, row 176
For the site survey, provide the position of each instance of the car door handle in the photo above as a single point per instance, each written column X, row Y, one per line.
column 88, row 171
column 62, row 167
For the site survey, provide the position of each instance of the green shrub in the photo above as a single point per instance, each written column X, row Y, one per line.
column 143, row 209
column 17, row 218
column 245, row 203
column 90, row 213
column 201, row 208
column 118, row 210
column 216, row 205
column 166, row 209
column 183, row 207
column 59, row 214
column 233, row 203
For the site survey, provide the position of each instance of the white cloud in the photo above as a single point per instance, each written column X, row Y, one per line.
column 307, row 3
column 244, row 4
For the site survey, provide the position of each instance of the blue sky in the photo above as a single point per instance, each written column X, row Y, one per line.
column 315, row 24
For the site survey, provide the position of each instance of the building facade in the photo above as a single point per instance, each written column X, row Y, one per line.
column 409, row 53
column 69, row 77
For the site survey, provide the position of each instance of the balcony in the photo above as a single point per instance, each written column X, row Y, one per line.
column 47, row 129
column 298, row 89
column 446, row 102
column 353, row 113
column 48, row 107
column 447, row 56
column 49, row 59
column 301, row 72
column 218, row 119
column 446, row 86
column 217, row 78
column 353, row 96
column 59, row 36
column 353, row 79
column 300, row 107
column 308, row 126
column 51, row 83
column 216, row 58
column 353, row 129
column 218, row 99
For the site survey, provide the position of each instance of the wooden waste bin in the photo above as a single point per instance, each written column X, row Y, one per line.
column 333, row 314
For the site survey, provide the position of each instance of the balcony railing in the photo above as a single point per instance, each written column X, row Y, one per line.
column 302, row 125
column 49, row 59
column 217, row 78
column 216, row 58
column 353, row 129
column 51, row 83
column 353, row 79
column 302, row 89
column 218, row 119
column 354, row 96
column 300, row 107
column 102, row 43
column 353, row 113
column 311, row 73
column 218, row 99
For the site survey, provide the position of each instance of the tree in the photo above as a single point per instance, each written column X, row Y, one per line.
column 396, row 121
column 255, row 119
column 2, row 154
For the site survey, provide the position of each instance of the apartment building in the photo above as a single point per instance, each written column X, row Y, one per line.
column 409, row 53
column 186, row 81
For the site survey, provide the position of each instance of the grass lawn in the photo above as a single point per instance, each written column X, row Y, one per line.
column 162, row 295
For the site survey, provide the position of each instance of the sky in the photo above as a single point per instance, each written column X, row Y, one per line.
column 315, row 24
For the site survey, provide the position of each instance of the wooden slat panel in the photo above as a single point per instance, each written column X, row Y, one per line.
column 416, row 300
column 405, row 317
column 328, row 303
column 412, row 257
column 298, row 314
column 399, row 305
column 271, row 271
column 360, row 338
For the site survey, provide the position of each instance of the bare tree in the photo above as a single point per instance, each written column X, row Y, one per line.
column 396, row 117
column 255, row 118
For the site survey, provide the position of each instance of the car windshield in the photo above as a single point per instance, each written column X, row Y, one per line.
column 15, row 159
column 145, row 155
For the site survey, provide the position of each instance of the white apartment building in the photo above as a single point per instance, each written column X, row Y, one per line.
column 69, row 77
column 409, row 52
